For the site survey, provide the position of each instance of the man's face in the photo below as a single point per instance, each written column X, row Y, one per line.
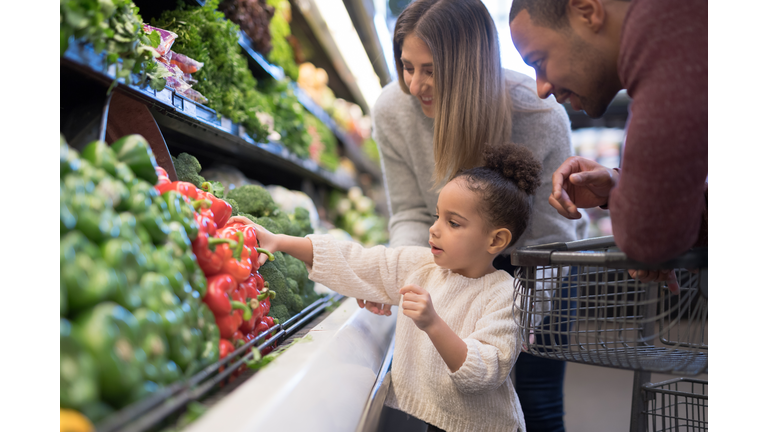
column 566, row 65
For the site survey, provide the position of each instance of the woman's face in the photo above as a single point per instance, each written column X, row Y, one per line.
column 417, row 72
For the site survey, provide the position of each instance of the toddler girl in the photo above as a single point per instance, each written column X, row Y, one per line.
column 456, row 338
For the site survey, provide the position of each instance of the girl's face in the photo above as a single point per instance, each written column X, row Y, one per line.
column 417, row 72
column 459, row 238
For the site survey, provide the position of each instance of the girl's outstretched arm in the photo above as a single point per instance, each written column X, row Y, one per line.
column 297, row 247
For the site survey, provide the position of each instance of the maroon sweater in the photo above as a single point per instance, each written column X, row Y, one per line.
column 659, row 204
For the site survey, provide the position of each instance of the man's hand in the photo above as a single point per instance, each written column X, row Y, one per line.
column 581, row 183
column 667, row 276
column 376, row 308
column 417, row 305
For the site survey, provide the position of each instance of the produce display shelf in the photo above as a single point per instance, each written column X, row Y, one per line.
column 150, row 412
column 202, row 124
column 351, row 149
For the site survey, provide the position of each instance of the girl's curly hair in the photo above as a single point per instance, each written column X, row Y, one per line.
column 505, row 184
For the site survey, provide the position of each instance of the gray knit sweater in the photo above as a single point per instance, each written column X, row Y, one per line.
column 477, row 397
column 404, row 136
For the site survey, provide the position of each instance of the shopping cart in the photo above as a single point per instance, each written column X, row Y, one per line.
column 580, row 304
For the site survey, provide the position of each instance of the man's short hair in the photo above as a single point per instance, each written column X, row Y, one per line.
column 546, row 13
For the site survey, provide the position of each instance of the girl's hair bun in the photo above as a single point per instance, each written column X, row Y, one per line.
column 516, row 163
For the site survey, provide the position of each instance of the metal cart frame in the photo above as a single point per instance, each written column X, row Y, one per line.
column 580, row 304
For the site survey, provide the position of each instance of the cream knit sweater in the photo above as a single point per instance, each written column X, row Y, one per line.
column 477, row 397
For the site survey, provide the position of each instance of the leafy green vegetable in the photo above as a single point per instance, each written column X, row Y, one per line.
column 114, row 27
column 282, row 53
column 205, row 35
column 289, row 116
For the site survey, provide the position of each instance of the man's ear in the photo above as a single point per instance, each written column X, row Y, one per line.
column 587, row 13
column 499, row 240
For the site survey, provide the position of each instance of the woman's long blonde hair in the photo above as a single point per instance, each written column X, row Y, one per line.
column 472, row 103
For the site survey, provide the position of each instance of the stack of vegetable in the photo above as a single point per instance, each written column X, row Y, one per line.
column 203, row 33
column 228, row 256
column 354, row 213
column 287, row 276
column 114, row 27
column 282, row 53
column 132, row 317
column 253, row 17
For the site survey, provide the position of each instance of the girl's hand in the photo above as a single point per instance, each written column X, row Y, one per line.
column 417, row 305
column 267, row 240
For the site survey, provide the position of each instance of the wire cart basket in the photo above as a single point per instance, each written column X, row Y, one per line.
column 678, row 405
column 580, row 304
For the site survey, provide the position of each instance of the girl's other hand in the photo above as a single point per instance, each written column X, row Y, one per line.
column 417, row 305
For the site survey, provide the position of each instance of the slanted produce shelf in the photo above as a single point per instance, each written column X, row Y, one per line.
column 198, row 124
column 162, row 407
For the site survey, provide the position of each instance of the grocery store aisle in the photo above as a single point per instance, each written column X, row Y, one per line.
column 599, row 399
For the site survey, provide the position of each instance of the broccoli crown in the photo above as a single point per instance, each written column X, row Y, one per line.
column 271, row 273
column 254, row 200
column 188, row 168
column 286, row 226
column 270, row 225
column 280, row 312
column 235, row 207
column 300, row 217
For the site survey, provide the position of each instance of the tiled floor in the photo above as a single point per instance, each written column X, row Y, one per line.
column 598, row 399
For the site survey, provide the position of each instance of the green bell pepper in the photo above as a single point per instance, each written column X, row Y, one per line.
column 115, row 192
column 78, row 380
column 75, row 243
column 109, row 332
column 69, row 161
column 174, row 270
column 154, row 221
column 182, row 211
column 141, row 196
column 125, row 175
column 157, row 295
column 185, row 346
column 134, row 151
column 154, row 343
column 100, row 155
column 88, row 281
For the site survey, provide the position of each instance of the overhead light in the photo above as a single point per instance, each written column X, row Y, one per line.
column 343, row 33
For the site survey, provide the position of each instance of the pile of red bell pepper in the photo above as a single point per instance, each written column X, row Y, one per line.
column 228, row 254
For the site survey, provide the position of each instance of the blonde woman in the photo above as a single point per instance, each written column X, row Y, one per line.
column 451, row 98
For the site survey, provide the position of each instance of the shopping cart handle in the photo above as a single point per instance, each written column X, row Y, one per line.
column 599, row 251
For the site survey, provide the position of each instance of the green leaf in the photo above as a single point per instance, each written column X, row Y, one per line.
column 154, row 38
column 76, row 19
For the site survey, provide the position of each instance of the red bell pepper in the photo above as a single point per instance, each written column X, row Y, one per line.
column 185, row 188
column 222, row 210
column 238, row 339
column 217, row 297
column 229, row 324
column 225, row 348
column 209, row 260
column 236, row 259
column 251, row 294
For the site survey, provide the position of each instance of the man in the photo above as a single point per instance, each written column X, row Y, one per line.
column 585, row 51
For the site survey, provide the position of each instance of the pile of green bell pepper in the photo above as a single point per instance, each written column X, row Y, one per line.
column 132, row 319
